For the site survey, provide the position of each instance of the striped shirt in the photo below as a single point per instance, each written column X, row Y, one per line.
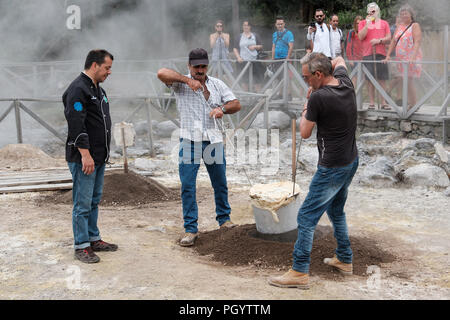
column 196, row 124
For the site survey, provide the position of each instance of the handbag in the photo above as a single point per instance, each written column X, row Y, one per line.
column 262, row 55
column 398, row 39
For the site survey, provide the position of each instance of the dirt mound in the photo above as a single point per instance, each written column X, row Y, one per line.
column 244, row 245
column 26, row 156
column 126, row 189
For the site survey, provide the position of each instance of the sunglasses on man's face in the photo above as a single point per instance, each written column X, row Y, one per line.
column 306, row 77
column 201, row 66
column 319, row 16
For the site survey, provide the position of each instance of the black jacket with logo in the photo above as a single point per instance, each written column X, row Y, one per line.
column 86, row 109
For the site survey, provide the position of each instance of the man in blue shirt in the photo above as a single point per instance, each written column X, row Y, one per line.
column 282, row 41
column 282, row 46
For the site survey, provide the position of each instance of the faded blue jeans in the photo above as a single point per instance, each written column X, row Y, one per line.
column 189, row 162
column 327, row 192
column 86, row 195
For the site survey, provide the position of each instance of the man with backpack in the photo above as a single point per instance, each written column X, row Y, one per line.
column 282, row 45
column 319, row 34
column 336, row 38
column 282, row 41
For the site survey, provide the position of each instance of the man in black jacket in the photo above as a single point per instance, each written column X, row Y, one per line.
column 86, row 109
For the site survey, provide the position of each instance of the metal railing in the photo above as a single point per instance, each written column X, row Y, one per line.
column 282, row 88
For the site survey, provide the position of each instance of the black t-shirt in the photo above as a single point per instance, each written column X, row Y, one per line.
column 333, row 109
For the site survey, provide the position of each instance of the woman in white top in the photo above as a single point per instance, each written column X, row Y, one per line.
column 246, row 48
column 219, row 42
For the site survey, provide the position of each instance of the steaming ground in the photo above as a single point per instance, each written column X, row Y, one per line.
column 36, row 253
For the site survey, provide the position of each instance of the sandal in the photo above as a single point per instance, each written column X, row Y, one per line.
column 385, row 107
column 371, row 107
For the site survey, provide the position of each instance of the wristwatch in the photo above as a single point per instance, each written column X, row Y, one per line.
column 223, row 109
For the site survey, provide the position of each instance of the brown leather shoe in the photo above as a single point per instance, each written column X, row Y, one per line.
column 291, row 279
column 228, row 224
column 344, row 268
column 188, row 239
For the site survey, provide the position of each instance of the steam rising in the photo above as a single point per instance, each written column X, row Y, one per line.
column 33, row 30
column 36, row 30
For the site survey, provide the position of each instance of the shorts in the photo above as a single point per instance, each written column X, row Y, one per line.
column 382, row 68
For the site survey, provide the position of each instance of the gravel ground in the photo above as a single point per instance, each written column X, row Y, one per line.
column 36, row 253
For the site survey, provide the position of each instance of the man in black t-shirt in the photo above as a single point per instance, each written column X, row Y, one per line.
column 332, row 107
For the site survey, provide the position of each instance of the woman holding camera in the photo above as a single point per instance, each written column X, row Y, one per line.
column 220, row 42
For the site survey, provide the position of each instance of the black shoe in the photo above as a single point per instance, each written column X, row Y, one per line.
column 86, row 255
column 101, row 245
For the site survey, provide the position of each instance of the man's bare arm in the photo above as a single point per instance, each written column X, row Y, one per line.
column 169, row 76
column 230, row 107
column 291, row 48
column 306, row 126
column 363, row 32
column 338, row 62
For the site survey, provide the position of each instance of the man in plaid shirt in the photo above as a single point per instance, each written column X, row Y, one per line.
column 202, row 101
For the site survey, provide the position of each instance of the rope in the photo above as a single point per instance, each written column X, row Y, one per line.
column 220, row 127
column 229, row 143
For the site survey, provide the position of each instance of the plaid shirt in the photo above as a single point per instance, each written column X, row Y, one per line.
column 196, row 124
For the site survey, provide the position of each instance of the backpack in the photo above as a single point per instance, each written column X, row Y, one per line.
column 340, row 33
column 348, row 40
column 281, row 38
column 329, row 35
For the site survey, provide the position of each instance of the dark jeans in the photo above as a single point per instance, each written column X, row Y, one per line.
column 86, row 195
column 327, row 192
column 189, row 162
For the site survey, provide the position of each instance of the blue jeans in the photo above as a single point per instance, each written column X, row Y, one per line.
column 86, row 195
column 327, row 192
column 189, row 162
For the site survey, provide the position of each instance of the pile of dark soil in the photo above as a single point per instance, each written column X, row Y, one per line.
column 121, row 188
column 244, row 245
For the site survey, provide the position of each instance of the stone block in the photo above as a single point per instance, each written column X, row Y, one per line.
column 405, row 126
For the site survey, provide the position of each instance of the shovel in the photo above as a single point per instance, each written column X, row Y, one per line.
column 294, row 158
column 124, row 151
